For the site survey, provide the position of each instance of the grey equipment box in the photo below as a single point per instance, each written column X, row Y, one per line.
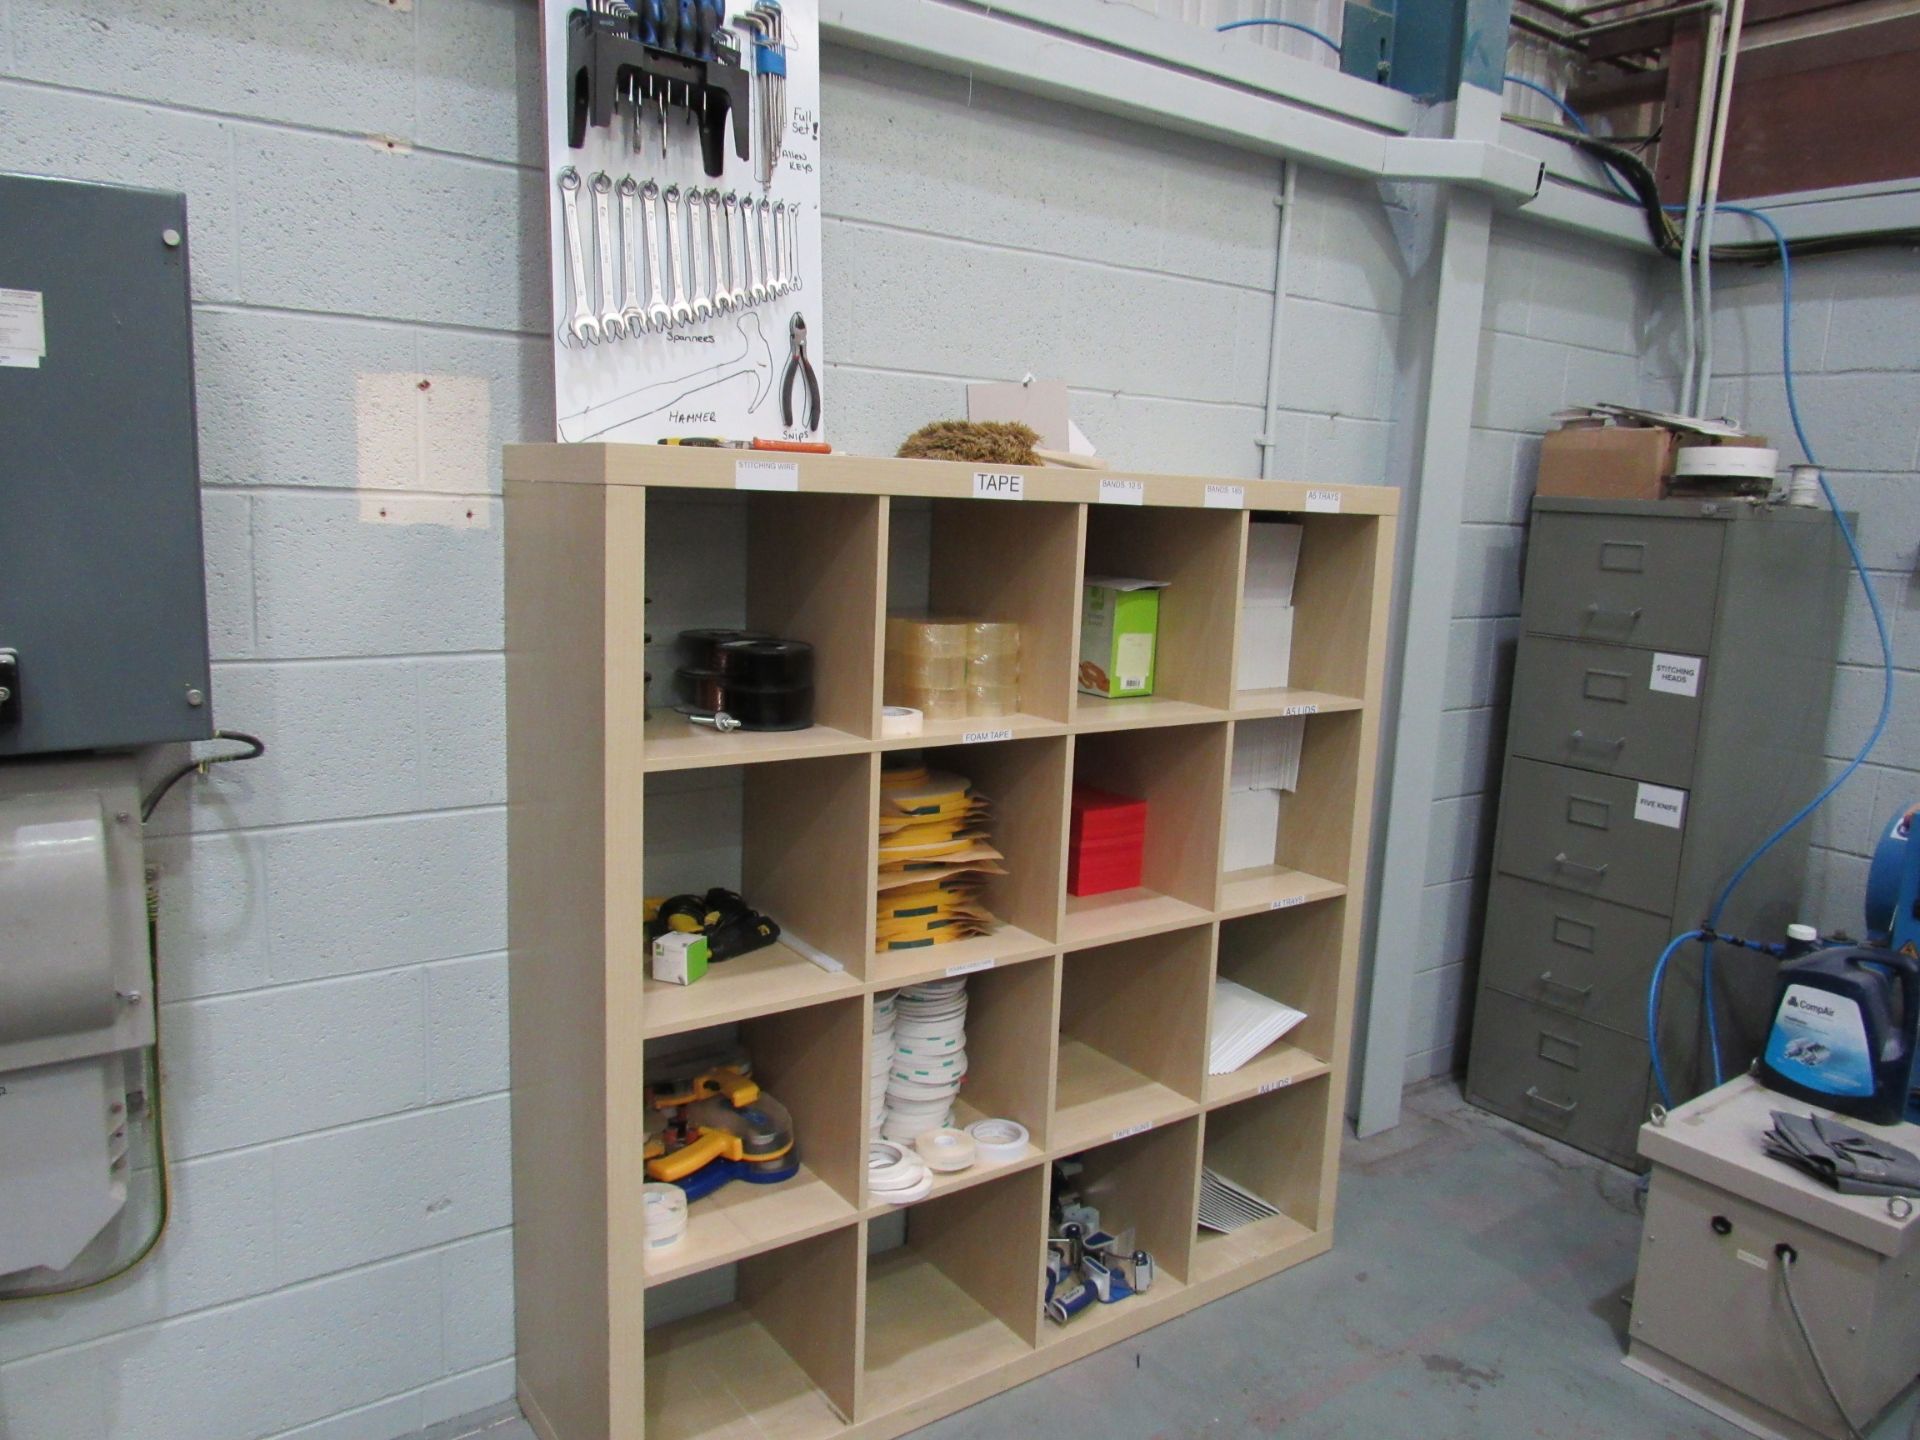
column 1710, row 1315
column 102, row 578
column 1669, row 710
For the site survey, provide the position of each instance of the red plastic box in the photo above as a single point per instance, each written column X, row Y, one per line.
column 1106, row 842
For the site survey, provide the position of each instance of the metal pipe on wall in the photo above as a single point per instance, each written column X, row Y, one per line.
column 1268, row 441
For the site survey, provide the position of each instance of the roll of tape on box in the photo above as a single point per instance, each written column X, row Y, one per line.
column 665, row 1210
column 995, row 1141
column 1725, row 462
column 900, row 720
column 946, row 1150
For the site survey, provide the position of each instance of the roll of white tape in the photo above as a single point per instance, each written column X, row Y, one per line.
column 945, row 1150
column 998, row 1140
column 899, row 720
column 664, row 1208
column 1725, row 462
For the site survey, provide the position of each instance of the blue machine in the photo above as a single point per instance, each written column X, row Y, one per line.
column 1846, row 1019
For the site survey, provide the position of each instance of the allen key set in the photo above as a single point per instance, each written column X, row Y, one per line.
column 711, row 254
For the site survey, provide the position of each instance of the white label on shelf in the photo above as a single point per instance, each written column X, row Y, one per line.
column 766, row 475
column 1323, row 502
column 1140, row 1129
column 977, row 737
column 1226, row 497
column 1287, row 902
column 972, row 965
column 999, row 485
column 1660, row 805
column 1267, row 1087
column 1123, row 492
column 1675, row 674
column 1301, row 710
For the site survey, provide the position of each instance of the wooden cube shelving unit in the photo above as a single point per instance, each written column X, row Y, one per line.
column 1088, row 1021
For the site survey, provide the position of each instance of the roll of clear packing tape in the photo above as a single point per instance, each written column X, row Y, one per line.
column 664, row 1208
column 945, row 1150
column 996, row 1141
column 897, row 721
column 1725, row 462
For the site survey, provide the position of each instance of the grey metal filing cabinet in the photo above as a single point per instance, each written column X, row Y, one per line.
column 1669, row 710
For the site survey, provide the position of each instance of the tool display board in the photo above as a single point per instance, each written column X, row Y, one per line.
column 676, row 296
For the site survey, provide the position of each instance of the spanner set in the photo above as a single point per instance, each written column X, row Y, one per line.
column 706, row 254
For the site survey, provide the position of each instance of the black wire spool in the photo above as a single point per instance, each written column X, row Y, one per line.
column 700, row 648
column 707, row 692
column 766, row 664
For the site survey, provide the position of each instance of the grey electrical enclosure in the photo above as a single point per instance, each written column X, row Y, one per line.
column 102, row 577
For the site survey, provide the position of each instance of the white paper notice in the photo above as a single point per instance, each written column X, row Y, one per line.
column 1324, row 502
column 1226, row 497
column 998, row 485
column 766, row 475
column 1123, row 492
column 1660, row 805
column 1675, row 674
column 23, row 329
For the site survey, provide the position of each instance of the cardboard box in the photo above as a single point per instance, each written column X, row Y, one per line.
column 1617, row 462
column 1119, row 630
column 680, row 959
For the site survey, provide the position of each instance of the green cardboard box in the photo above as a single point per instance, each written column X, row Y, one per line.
column 1119, row 632
column 680, row 959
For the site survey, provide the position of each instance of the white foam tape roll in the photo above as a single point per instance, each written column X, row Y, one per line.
column 945, row 1150
column 998, row 1140
column 1732, row 462
column 896, row 1174
column 665, row 1210
column 899, row 720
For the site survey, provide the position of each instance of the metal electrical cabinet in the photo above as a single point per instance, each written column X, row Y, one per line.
column 103, row 612
column 1669, row 709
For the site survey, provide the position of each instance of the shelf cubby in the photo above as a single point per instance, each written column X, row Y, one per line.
column 1314, row 852
column 1197, row 552
column 995, row 561
column 1291, row 955
column 1026, row 782
column 805, row 1308
column 781, row 1358
column 1133, row 1034
column 760, row 830
column 961, row 1297
column 1148, row 1183
column 1277, row 1145
column 1180, row 771
column 809, row 1060
column 800, row 566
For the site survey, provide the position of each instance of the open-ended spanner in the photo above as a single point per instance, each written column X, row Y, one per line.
column 677, row 251
column 611, row 325
column 762, row 286
column 736, row 272
column 720, row 257
column 777, row 281
column 701, row 256
column 632, row 311
column 582, row 327
column 791, row 254
column 659, row 317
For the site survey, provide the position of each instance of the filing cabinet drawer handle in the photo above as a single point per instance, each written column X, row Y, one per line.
column 1579, row 992
column 1580, row 737
column 1537, row 1098
column 1596, row 872
column 1627, row 619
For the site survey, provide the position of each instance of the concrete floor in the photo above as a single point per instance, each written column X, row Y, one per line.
column 1476, row 1291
